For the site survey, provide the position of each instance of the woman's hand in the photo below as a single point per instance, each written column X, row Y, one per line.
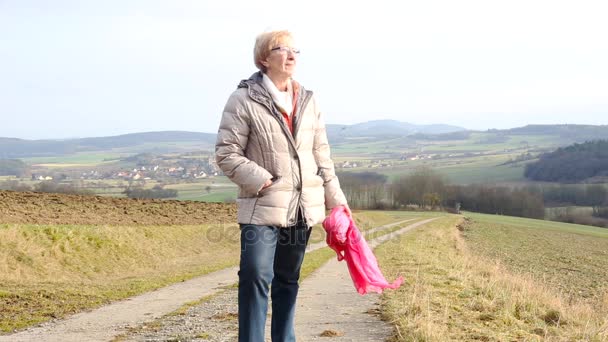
column 267, row 184
column 347, row 208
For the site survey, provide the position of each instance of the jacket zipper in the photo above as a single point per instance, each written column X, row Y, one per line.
column 291, row 138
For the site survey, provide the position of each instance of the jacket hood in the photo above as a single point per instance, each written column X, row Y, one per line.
column 255, row 78
column 256, row 89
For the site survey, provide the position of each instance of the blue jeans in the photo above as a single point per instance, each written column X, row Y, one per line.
column 270, row 254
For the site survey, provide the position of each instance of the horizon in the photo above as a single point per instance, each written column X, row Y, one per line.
column 70, row 69
column 337, row 124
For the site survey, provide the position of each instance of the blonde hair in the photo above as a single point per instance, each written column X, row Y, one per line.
column 264, row 42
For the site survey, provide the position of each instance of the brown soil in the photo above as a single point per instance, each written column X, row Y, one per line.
column 46, row 208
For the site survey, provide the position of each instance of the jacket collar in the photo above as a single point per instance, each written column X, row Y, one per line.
column 258, row 92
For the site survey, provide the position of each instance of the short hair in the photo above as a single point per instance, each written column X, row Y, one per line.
column 264, row 43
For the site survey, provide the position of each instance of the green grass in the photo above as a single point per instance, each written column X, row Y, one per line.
column 482, row 172
column 553, row 212
column 478, row 169
column 220, row 190
column 214, row 196
column 540, row 225
column 82, row 158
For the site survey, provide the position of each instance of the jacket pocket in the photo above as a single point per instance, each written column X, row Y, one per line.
column 271, row 187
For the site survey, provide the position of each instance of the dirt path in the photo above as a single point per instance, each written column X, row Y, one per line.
column 329, row 287
column 328, row 302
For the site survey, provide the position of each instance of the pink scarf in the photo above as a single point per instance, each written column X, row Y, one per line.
column 348, row 243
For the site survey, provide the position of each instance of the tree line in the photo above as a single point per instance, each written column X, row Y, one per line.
column 13, row 167
column 424, row 188
column 158, row 191
column 46, row 186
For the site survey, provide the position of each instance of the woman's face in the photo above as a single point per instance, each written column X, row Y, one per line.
column 282, row 62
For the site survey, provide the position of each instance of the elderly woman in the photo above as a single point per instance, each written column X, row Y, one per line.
column 272, row 143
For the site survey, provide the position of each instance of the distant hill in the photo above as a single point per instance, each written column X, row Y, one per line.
column 144, row 142
column 21, row 148
column 576, row 133
column 376, row 130
column 388, row 127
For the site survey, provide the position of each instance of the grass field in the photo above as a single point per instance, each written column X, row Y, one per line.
column 217, row 189
column 476, row 159
column 478, row 169
column 578, row 272
column 77, row 159
column 552, row 212
column 497, row 279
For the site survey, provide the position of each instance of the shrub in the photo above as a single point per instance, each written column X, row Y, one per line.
column 60, row 188
column 14, row 186
column 156, row 192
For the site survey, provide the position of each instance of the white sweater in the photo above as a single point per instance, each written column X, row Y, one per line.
column 283, row 99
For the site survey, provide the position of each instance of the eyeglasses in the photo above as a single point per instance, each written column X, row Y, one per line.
column 286, row 49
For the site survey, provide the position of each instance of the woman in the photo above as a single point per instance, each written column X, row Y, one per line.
column 272, row 143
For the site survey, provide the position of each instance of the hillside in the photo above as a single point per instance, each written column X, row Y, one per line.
column 578, row 133
column 386, row 128
column 142, row 142
column 575, row 163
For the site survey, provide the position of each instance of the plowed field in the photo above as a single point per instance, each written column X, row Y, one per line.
column 45, row 208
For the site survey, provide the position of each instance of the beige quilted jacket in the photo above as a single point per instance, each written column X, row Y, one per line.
column 254, row 144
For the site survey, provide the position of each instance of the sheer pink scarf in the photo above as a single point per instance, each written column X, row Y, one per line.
column 346, row 240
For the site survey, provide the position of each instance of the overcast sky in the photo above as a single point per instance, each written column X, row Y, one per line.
column 94, row 68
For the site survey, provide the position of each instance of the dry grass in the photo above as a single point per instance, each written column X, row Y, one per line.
column 453, row 295
column 51, row 271
column 331, row 333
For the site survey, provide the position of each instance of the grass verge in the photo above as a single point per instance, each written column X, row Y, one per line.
column 49, row 272
column 453, row 294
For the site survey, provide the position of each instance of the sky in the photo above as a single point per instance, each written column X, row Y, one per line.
column 96, row 68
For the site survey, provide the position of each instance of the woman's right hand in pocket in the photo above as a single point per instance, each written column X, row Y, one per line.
column 267, row 184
